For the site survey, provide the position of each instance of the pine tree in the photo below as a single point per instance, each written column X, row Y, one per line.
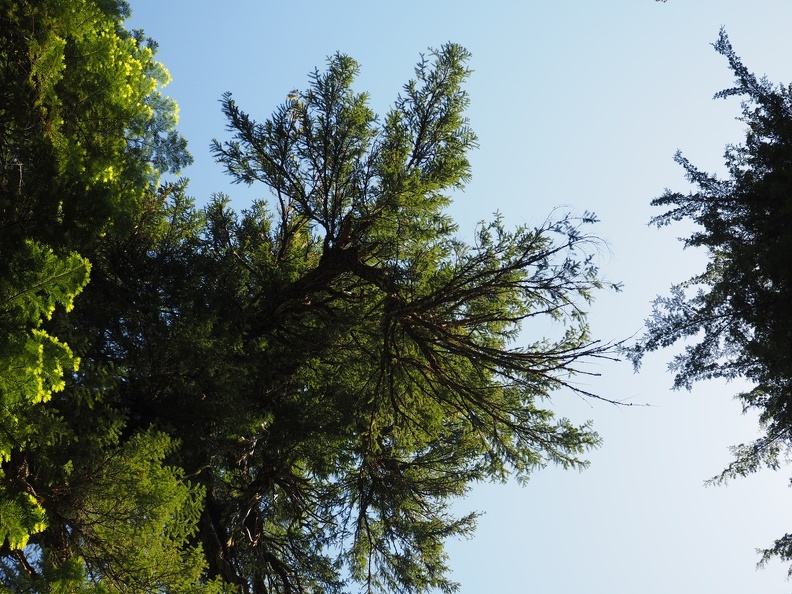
column 287, row 399
column 734, row 316
column 84, row 137
column 335, row 364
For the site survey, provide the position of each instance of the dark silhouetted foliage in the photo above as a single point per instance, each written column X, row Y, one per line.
column 735, row 316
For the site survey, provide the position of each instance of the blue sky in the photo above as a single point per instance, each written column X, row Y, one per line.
column 580, row 104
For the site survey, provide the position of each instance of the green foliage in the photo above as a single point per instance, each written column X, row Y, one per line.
column 287, row 399
column 735, row 314
column 375, row 369
column 22, row 516
column 129, row 523
column 84, row 130
column 135, row 509
column 32, row 365
column 34, row 361
column 84, row 137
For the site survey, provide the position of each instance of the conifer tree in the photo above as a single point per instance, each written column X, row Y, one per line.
column 287, row 399
column 734, row 317
column 336, row 365
column 84, row 136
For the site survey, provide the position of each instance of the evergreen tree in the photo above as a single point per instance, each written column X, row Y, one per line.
column 282, row 400
column 84, row 137
column 335, row 365
column 735, row 316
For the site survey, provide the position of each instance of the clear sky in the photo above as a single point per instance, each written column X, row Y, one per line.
column 579, row 103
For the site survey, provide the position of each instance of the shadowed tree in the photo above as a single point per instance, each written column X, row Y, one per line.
column 734, row 317
column 339, row 365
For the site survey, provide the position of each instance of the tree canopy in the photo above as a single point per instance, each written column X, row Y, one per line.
column 386, row 346
column 285, row 399
column 734, row 316
column 84, row 137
